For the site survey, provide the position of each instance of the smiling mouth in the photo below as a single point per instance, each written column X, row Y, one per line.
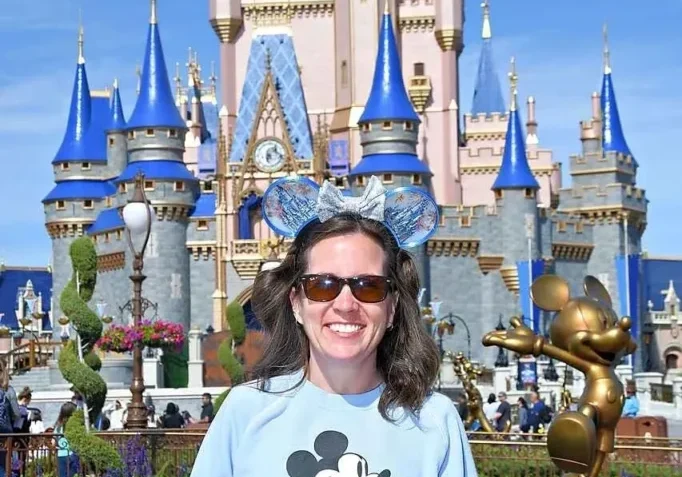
column 345, row 328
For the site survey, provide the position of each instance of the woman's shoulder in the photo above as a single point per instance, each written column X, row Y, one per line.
column 438, row 407
column 255, row 395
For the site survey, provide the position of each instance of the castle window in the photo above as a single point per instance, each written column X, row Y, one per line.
column 418, row 69
column 111, row 142
column 344, row 73
column 387, row 179
column 172, row 133
column 465, row 221
column 338, row 182
column 87, row 204
column 148, row 185
column 149, row 133
column 561, row 226
column 416, row 179
column 86, row 166
column 408, row 126
column 530, row 193
column 202, row 225
column 361, row 181
column 106, row 238
column 366, row 127
column 498, row 193
column 441, row 217
column 179, row 186
column 61, row 205
column 108, row 202
column 65, row 166
column 208, row 186
column 579, row 226
column 387, row 125
column 131, row 134
column 119, row 234
column 123, row 187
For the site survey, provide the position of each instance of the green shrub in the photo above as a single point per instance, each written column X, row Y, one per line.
column 83, row 375
column 229, row 362
column 237, row 321
column 175, row 372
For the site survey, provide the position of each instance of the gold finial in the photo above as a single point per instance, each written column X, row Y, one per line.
column 486, row 33
column 607, row 53
column 513, row 83
column 115, row 83
column 387, row 7
column 81, row 39
column 152, row 18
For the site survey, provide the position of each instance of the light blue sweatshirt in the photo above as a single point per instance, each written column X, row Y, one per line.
column 307, row 432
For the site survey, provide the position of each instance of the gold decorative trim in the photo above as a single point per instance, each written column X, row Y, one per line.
column 202, row 249
column 419, row 89
column 171, row 212
column 510, row 276
column 417, row 24
column 452, row 247
column 572, row 251
column 244, row 296
column 278, row 13
column 65, row 229
column 247, row 256
column 486, row 136
column 495, row 169
column 450, row 39
column 109, row 262
column 489, row 263
column 226, row 28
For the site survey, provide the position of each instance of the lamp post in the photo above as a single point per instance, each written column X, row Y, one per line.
column 502, row 360
column 137, row 215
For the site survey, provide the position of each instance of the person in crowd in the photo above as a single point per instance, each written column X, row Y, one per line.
column 172, row 419
column 151, row 415
column 502, row 416
column 538, row 413
column 490, row 408
column 345, row 384
column 631, row 405
column 206, row 408
column 523, row 415
column 37, row 425
column 117, row 416
column 67, row 462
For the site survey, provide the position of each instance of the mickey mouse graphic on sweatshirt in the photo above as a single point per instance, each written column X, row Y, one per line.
column 334, row 461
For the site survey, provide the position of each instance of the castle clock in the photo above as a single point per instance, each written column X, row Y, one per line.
column 269, row 155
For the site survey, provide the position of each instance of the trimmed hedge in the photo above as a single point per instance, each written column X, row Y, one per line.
column 237, row 322
column 83, row 375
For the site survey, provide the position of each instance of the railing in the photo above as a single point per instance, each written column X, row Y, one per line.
column 164, row 453
column 31, row 354
column 662, row 392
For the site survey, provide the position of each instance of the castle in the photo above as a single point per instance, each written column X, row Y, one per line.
column 297, row 97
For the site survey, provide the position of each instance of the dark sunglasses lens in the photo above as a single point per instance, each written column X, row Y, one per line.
column 321, row 288
column 370, row 289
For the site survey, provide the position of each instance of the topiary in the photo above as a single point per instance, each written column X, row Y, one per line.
column 83, row 375
column 234, row 369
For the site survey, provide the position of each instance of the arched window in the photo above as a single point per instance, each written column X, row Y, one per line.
column 671, row 361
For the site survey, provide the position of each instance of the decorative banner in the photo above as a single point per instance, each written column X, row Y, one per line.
column 628, row 273
column 528, row 372
column 339, row 159
column 525, row 281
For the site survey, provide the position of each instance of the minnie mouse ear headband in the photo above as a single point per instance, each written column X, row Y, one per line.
column 291, row 203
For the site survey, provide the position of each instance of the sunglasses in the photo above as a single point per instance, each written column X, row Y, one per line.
column 365, row 288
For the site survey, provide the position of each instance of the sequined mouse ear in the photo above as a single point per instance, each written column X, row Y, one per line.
column 411, row 214
column 289, row 204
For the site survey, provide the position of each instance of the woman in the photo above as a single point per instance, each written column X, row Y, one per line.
column 67, row 461
column 523, row 415
column 345, row 383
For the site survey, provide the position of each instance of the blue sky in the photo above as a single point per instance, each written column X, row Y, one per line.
column 557, row 46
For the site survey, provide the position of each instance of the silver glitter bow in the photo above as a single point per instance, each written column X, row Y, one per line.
column 331, row 201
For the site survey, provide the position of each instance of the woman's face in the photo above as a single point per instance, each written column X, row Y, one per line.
column 345, row 329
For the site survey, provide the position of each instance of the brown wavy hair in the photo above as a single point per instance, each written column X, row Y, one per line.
column 407, row 357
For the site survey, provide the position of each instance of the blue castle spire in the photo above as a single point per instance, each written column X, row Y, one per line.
column 613, row 138
column 388, row 98
column 487, row 92
column 515, row 172
column 155, row 105
column 75, row 144
column 118, row 121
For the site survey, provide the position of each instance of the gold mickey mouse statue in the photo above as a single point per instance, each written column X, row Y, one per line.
column 587, row 335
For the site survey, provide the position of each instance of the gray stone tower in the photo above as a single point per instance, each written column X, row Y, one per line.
column 516, row 199
column 605, row 193
column 117, row 147
column 80, row 170
column 155, row 136
column 389, row 132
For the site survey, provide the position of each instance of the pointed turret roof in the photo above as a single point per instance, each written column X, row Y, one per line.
column 487, row 92
column 118, row 121
column 613, row 138
column 515, row 172
column 155, row 105
column 388, row 99
column 76, row 144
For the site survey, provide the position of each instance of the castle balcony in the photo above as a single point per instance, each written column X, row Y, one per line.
column 247, row 256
